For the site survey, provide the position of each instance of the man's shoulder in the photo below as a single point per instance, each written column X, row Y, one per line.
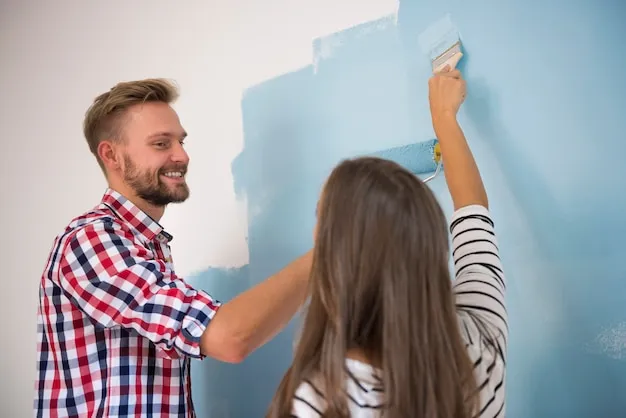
column 98, row 221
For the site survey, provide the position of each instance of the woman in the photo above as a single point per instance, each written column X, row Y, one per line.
column 387, row 332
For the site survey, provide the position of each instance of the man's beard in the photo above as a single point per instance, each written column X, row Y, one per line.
column 149, row 186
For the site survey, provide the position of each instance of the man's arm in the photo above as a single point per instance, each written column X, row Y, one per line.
column 254, row 317
column 117, row 283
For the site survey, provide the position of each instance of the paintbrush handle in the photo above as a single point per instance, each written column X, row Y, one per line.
column 452, row 62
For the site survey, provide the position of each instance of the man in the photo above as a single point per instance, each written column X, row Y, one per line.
column 116, row 326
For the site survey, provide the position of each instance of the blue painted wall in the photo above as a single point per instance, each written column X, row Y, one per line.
column 544, row 117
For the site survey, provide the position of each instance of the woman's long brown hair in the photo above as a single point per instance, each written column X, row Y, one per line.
column 380, row 283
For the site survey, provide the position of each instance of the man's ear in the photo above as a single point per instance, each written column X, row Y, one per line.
column 108, row 155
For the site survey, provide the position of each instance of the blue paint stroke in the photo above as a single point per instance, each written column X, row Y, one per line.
column 213, row 382
column 546, row 128
column 438, row 37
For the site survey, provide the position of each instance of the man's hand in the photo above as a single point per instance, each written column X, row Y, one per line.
column 237, row 330
column 446, row 92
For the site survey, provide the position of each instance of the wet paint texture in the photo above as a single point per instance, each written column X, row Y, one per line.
column 418, row 157
column 544, row 118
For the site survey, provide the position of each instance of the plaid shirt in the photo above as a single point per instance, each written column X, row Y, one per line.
column 116, row 327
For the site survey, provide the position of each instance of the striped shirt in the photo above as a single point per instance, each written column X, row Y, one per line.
column 479, row 290
column 116, row 326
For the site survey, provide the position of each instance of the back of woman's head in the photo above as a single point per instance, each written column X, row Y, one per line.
column 380, row 284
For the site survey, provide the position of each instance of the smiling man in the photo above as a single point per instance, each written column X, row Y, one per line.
column 116, row 326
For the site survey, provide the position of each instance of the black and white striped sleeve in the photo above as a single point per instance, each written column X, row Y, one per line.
column 479, row 291
column 480, row 283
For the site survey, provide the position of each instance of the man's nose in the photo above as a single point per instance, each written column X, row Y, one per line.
column 179, row 154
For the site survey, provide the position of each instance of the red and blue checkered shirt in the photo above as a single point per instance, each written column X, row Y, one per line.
column 116, row 326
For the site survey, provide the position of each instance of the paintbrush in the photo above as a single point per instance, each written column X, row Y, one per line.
column 450, row 56
column 440, row 41
column 442, row 44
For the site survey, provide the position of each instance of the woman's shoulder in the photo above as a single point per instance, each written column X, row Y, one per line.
column 363, row 388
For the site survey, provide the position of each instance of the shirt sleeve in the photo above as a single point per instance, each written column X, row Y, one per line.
column 480, row 283
column 118, row 283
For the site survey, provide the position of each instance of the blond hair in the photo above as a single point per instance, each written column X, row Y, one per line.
column 104, row 118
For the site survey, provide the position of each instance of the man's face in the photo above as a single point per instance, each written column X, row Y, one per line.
column 154, row 161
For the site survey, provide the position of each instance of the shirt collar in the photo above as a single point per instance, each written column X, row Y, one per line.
column 139, row 221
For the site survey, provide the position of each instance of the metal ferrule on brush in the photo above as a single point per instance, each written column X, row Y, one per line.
column 447, row 54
